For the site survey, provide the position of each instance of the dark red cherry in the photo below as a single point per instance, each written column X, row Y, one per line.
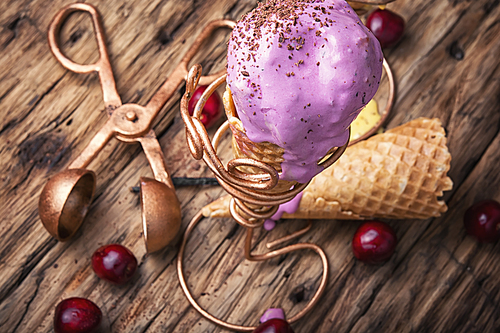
column 274, row 326
column 212, row 110
column 387, row 26
column 482, row 220
column 114, row 263
column 77, row 315
column 374, row 242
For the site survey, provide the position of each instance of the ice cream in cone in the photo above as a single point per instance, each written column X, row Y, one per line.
column 298, row 74
column 398, row 174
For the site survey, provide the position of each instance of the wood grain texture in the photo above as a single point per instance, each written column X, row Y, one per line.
column 440, row 279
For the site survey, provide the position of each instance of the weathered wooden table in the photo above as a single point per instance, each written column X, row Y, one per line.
column 440, row 279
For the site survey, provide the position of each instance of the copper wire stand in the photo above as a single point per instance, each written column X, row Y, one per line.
column 252, row 202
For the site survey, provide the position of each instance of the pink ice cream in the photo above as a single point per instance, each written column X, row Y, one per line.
column 299, row 73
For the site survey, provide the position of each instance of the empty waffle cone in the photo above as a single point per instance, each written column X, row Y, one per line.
column 398, row 174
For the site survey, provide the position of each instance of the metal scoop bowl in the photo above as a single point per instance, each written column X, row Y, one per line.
column 65, row 200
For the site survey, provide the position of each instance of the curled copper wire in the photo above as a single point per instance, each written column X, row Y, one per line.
column 252, row 202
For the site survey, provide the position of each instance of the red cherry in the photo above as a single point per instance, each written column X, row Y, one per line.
column 211, row 111
column 387, row 26
column 114, row 263
column 77, row 315
column 482, row 220
column 374, row 242
column 274, row 326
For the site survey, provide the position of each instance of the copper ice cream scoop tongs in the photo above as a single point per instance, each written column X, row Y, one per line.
column 66, row 198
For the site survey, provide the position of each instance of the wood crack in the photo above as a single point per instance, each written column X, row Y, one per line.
column 28, row 267
column 38, row 281
column 446, row 34
column 334, row 291
column 42, row 96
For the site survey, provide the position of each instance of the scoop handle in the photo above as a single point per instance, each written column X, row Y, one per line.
column 102, row 66
column 94, row 146
column 154, row 154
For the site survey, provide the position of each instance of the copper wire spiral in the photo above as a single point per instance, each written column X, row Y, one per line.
column 251, row 203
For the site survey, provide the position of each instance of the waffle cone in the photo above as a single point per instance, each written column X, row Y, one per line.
column 399, row 174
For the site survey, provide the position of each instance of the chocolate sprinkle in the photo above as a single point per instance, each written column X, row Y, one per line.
column 279, row 17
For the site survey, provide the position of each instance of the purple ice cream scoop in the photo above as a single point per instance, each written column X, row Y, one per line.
column 299, row 73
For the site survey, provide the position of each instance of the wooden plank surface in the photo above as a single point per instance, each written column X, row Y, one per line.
column 440, row 279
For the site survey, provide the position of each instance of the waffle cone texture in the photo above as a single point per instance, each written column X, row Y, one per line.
column 399, row 174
